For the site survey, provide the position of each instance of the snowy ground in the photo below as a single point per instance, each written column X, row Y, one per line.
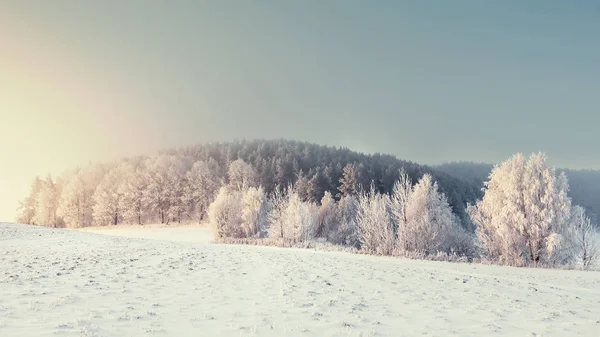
column 186, row 233
column 73, row 283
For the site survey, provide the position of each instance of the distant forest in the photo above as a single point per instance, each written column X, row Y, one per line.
column 164, row 187
column 584, row 184
column 178, row 184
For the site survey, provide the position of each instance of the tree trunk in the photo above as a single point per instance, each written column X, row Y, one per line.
column 531, row 251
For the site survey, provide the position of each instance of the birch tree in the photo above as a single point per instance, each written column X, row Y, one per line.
column 586, row 248
column 108, row 198
column 46, row 204
column 224, row 214
column 328, row 217
column 523, row 216
column 429, row 219
column 374, row 225
column 26, row 210
column 75, row 203
column 254, row 212
column 241, row 175
column 134, row 202
column 346, row 234
column 157, row 193
column 399, row 199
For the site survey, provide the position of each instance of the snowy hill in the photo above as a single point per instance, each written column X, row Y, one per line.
column 68, row 283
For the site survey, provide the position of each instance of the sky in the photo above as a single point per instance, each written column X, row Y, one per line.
column 428, row 81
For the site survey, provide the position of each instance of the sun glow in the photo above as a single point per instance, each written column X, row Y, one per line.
column 54, row 115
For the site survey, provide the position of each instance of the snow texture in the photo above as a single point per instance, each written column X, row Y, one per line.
column 56, row 282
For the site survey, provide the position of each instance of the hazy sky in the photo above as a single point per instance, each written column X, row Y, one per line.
column 429, row 81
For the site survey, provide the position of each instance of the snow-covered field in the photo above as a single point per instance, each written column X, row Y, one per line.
column 187, row 233
column 74, row 283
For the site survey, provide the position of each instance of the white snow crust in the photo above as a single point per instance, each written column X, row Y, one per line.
column 173, row 282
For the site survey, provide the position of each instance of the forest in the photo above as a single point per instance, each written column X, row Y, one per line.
column 288, row 193
column 160, row 188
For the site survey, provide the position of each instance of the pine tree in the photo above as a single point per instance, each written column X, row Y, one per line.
column 302, row 186
column 350, row 181
column 316, row 186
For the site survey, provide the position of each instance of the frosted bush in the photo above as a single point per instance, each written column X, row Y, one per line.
column 255, row 209
column 374, row 225
column 224, row 214
column 291, row 218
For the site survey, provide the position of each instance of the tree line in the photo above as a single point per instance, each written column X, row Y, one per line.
column 295, row 192
column 178, row 184
column 525, row 218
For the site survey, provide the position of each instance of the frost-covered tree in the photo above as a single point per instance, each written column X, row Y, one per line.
column 302, row 186
column 254, row 214
column 134, row 203
column 46, row 203
column 292, row 218
column 584, row 238
column 523, row 216
column 224, row 214
column 277, row 163
column 176, row 182
column 315, row 186
column 299, row 219
column 345, row 234
column 108, row 197
column 328, row 217
column 203, row 181
column 275, row 216
column 241, row 175
column 75, row 205
column 430, row 220
column 374, row 225
column 350, row 181
column 158, row 191
column 26, row 210
column 399, row 199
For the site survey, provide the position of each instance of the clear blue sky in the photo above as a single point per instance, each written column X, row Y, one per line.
column 428, row 81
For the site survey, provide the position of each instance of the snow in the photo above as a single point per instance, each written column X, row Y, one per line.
column 173, row 282
column 189, row 233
